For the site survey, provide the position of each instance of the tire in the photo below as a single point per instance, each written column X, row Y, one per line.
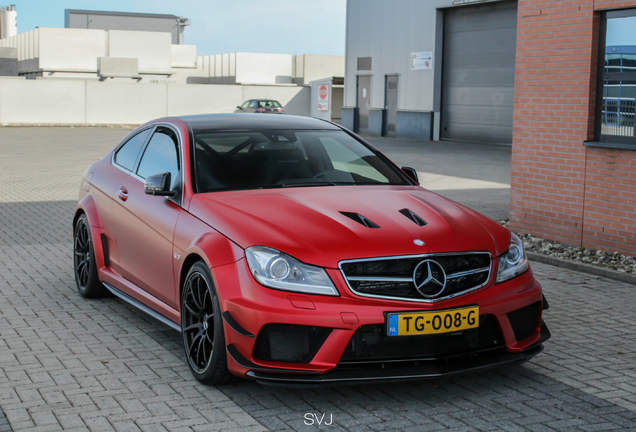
column 202, row 328
column 84, row 266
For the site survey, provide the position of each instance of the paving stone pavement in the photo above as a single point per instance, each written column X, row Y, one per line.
column 67, row 363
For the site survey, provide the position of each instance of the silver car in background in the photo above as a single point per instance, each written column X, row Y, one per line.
column 261, row 106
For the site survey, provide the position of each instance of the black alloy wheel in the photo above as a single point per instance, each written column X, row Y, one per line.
column 84, row 266
column 202, row 327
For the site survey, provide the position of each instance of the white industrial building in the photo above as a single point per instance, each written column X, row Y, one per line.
column 99, row 65
column 434, row 69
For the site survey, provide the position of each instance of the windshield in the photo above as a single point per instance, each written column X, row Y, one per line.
column 268, row 159
column 268, row 104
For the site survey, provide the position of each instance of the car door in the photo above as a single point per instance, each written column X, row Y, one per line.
column 145, row 224
column 108, row 185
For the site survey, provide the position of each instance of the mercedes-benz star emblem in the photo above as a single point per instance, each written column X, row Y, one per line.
column 429, row 278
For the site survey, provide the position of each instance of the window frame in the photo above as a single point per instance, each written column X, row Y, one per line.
column 145, row 148
column 177, row 199
column 600, row 140
column 139, row 153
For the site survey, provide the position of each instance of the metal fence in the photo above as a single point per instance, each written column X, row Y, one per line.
column 618, row 116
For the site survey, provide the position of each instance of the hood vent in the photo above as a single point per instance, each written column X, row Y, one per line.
column 413, row 217
column 360, row 219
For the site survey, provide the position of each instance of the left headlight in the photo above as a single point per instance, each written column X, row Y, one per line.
column 514, row 262
column 277, row 270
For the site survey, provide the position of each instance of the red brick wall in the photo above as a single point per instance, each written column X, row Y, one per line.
column 561, row 189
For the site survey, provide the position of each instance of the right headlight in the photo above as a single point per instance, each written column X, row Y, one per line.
column 514, row 262
column 275, row 269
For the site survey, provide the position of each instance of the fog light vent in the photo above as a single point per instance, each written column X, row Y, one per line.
column 289, row 343
column 525, row 321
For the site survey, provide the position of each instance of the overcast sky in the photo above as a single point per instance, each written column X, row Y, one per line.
column 221, row 26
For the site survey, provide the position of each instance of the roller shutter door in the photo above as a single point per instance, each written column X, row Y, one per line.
column 478, row 77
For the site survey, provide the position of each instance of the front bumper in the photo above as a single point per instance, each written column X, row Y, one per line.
column 248, row 307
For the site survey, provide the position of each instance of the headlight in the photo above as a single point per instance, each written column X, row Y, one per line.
column 514, row 262
column 275, row 269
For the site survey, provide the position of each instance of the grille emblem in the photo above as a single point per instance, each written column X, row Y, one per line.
column 418, row 242
column 429, row 278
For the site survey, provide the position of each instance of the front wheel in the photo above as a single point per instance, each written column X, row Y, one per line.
column 84, row 266
column 202, row 328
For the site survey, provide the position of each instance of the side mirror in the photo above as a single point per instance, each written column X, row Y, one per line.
column 239, row 108
column 159, row 185
column 411, row 173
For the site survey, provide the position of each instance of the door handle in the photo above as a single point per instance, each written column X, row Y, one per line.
column 123, row 193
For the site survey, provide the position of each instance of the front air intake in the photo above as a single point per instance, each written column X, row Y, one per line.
column 289, row 343
column 360, row 219
column 413, row 217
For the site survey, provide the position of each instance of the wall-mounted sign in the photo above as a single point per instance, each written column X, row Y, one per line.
column 324, row 92
column 421, row 60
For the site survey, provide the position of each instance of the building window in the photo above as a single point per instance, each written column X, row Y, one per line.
column 617, row 86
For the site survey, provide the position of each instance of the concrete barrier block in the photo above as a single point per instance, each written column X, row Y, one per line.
column 8, row 61
column 153, row 49
column 183, row 56
column 62, row 49
column 118, row 67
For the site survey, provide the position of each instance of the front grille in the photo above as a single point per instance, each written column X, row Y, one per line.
column 525, row 321
column 371, row 343
column 394, row 277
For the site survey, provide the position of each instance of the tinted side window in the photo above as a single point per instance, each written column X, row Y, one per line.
column 245, row 104
column 160, row 156
column 127, row 155
column 253, row 104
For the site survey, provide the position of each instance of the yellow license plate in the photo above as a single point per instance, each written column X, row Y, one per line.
column 421, row 323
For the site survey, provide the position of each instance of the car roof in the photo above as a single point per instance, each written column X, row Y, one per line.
column 254, row 122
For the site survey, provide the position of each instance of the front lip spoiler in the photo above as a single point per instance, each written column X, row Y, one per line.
column 377, row 375
column 355, row 376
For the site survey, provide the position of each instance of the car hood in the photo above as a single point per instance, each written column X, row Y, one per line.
column 307, row 222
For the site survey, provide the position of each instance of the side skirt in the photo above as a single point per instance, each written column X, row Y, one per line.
column 142, row 307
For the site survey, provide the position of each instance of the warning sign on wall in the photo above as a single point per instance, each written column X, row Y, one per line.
column 324, row 91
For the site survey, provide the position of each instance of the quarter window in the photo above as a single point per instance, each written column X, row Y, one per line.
column 617, row 97
column 126, row 156
column 161, row 156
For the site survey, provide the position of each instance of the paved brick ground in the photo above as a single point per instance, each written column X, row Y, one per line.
column 71, row 364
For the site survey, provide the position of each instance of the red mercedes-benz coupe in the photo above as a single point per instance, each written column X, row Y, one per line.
column 290, row 251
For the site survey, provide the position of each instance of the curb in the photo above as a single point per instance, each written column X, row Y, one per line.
column 582, row 267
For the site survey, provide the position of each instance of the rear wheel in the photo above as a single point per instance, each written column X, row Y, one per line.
column 202, row 328
column 84, row 267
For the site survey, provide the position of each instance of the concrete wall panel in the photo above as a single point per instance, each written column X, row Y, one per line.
column 63, row 49
column 258, row 68
column 42, row 102
column 203, row 99
column 124, row 103
column 322, row 66
column 183, row 56
column 153, row 49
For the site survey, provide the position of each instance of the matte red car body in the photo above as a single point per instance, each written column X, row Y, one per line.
column 145, row 234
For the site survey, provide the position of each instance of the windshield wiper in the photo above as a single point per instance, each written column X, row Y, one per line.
column 308, row 184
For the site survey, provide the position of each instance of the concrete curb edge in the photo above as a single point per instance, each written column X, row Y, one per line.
column 582, row 267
